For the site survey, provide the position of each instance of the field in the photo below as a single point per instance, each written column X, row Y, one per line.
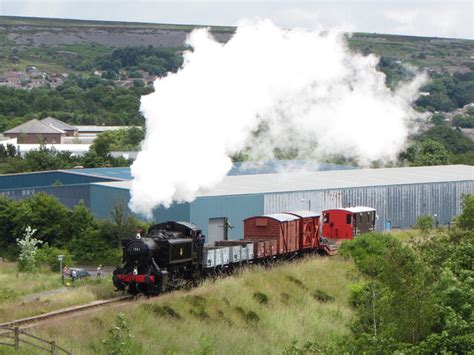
column 23, row 295
column 260, row 311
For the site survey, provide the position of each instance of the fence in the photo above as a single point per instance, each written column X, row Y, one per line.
column 15, row 336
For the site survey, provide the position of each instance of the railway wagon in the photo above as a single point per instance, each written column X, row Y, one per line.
column 309, row 228
column 280, row 226
column 346, row 223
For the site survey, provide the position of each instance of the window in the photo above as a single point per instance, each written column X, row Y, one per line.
column 348, row 219
column 326, row 218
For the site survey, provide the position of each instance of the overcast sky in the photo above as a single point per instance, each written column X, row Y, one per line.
column 419, row 17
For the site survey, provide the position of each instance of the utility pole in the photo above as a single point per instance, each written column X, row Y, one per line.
column 60, row 259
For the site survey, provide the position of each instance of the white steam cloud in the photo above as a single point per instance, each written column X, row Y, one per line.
column 306, row 88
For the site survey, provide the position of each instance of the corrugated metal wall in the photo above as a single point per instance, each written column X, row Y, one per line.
column 69, row 195
column 400, row 204
column 235, row 208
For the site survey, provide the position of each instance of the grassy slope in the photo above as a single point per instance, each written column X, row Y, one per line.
column 218, row 315
column 14, row 287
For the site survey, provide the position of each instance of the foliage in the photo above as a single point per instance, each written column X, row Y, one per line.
column 120, row 340
column 416, row 298
column 45, row 158
column 452, row 139
column 118, row 140
column 466, row 219
column 155, row 61
column 448, row 92
column 438, row 119
column 28, row 248
column 424, row 223
column 463, row 121
column 49, row 256
column 74, row 233
column 427, row 152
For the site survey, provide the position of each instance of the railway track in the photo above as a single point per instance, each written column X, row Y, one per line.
column 34, row 321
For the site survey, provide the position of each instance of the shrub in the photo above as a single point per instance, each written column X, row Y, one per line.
column 49, row 256
column 120, row 340
column 322, row 296
column 424, row 224
column 260, row 297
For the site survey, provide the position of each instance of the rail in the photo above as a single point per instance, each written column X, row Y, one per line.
column 31, row 321
column 13, row 337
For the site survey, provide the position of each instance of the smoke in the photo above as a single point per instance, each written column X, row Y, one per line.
column 303, row 92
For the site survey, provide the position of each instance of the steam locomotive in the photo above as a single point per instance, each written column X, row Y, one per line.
column 173, row 253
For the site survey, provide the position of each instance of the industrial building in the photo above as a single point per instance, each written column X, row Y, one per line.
column 399, row 195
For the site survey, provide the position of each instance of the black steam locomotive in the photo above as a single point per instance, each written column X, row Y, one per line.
column 170, row 255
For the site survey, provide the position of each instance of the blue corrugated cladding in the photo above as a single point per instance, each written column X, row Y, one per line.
column 235, row 208
column 47, row 178
column 104, row 198
column 69, row 195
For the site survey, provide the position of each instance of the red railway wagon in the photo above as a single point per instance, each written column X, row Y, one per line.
column 280, row 226
column 264, row 248
column 346, row 223
column 308, row 229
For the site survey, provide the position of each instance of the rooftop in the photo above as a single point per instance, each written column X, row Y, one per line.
column 34, row 126
column 323, row 180
column 58, row 124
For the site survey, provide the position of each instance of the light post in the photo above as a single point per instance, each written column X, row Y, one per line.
column 436, row 220
column 309, row 203
column 60, row 259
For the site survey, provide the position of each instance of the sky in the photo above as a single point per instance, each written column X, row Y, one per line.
column 418, row 17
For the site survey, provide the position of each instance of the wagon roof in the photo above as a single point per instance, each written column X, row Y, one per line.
column 282, row 217
column 304, row 214
column 356, row 209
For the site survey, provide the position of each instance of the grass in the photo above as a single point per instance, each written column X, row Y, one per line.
column 259, row 311
column 27, row 294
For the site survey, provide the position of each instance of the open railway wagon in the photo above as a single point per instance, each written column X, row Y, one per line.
column 346, row 223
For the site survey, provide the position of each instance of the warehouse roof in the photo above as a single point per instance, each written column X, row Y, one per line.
column 323, row 180
column 112, row 173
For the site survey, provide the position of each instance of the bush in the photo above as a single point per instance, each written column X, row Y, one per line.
column 424, row 224
column 49, row 256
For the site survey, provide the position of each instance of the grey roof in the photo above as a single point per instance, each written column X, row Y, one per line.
column 323, row 180
column 58, row 124
column 356, row 209
column 34, row 126
column 304, row 214
column 282, row 217
column 99, row 129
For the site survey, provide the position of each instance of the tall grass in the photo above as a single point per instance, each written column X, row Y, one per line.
column 24, row 295
column 258, row 311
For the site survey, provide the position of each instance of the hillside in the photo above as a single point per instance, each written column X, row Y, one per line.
column 56, row 44
column 261, row 311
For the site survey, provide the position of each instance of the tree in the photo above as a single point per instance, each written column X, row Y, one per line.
column 427, row 152
column 466, row 219
column 28, row 248
column 438, row 119
column 424, row 224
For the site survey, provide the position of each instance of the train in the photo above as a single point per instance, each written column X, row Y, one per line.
column 173, row 254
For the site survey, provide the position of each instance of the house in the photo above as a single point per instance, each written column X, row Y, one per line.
column 35, row 131
column 71, row 131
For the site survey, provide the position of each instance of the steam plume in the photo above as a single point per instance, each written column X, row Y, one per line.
column 301, row 90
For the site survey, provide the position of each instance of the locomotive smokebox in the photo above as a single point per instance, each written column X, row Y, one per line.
column 139, row 252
